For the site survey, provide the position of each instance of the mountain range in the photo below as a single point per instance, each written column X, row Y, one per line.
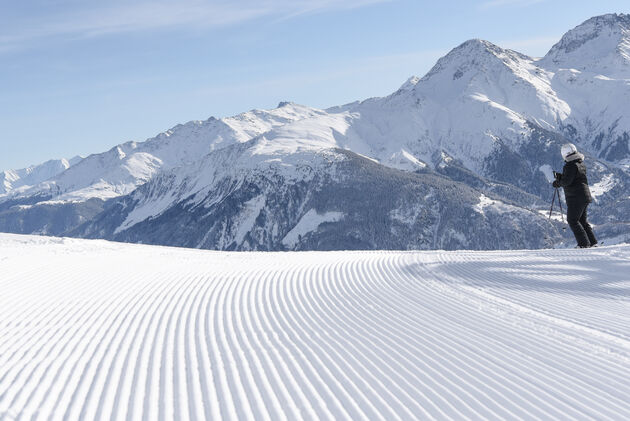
column 459, row 158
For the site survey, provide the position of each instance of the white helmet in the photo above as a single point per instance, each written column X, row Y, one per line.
column 568, row 149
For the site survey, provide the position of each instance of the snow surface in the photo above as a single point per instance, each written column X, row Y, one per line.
column 246, row 219
column 603, row 186
column 309, row 223
column 497, row 206
column 100, row 330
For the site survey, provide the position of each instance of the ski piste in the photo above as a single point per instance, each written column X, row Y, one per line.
column 92, row 329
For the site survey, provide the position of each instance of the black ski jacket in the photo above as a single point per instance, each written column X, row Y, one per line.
column 573, row 180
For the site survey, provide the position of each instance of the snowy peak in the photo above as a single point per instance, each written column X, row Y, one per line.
column 601, row 44
column 475, row 55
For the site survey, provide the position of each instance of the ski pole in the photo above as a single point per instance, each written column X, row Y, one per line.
column 552, row 202
column 561, row 210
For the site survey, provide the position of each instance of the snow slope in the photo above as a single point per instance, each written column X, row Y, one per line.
column 99, row 330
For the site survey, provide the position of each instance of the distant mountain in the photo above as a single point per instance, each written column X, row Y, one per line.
column 35, row 174
column 455, row 159
column 246, row 197
column 126, row 166
column 600, row 45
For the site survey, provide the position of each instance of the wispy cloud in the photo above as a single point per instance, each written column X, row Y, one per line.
column 501, row 3
column 89, row 19
column 305, row 7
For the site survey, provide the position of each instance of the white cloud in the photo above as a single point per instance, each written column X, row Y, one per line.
column 87, row 19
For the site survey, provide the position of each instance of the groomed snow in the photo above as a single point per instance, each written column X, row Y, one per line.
column 99, row 330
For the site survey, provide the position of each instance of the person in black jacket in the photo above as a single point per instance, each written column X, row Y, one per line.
column 577, row 194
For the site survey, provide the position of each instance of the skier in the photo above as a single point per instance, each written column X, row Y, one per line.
column 577, row 194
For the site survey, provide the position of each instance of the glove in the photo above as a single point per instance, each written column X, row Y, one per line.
column 556, row 184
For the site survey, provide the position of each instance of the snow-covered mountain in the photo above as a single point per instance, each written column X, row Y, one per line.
column 126, row 166
column 485, row 123
column 35, row 174
column 599, row 45
column 248, row 197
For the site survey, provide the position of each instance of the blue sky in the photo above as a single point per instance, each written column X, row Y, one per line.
column 80, row 76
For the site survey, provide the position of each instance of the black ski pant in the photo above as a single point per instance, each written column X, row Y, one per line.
column 576, row 217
